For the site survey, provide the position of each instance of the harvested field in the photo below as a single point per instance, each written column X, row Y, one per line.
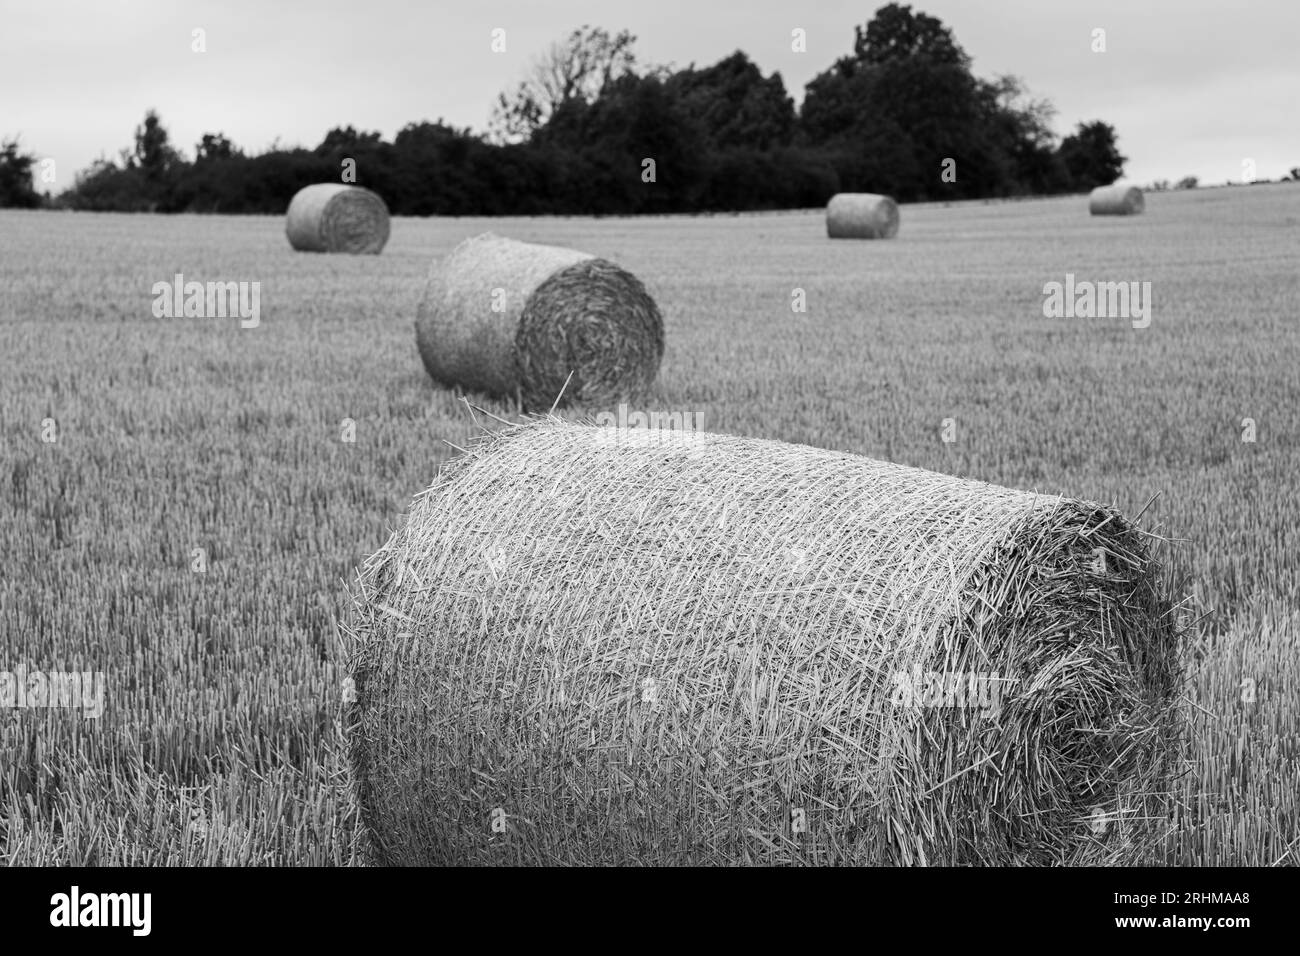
column 224, row 687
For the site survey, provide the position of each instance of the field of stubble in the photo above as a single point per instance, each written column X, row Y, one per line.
column 220, row 739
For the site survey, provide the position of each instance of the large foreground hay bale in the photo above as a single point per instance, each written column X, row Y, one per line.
column 600, row 645
column 515, row 319
column 1118, row 199
column 333, row 217
column 861, row 216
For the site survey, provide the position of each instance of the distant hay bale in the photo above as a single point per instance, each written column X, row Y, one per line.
column 614, row 645
column 861, row 216
column 515, row 319
column 333, row 217
column 1118, row 199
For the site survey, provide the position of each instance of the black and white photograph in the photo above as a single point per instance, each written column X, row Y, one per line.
column 651, row 435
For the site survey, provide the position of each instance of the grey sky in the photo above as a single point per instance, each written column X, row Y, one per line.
column 1192, row 87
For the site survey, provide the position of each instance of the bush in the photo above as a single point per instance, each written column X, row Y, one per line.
column 16, row 187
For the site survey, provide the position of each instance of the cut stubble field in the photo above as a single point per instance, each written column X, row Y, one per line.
column 193, row 526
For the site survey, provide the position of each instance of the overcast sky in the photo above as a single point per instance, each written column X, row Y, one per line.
column 1192, row 86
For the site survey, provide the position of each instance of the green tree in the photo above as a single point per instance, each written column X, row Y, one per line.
column 896, row 34
column 905, row 102
column 345, row 141
column 107, row 187
column 901, row 105
column 1091, row 156
column 153, row 151
column 1021, row 130
column 735, row 105
column 16, row 187
column 157, row 162
column 635, row 119
column 214, row 146
column 576, row 69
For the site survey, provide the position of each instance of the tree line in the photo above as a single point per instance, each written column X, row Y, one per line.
column 590, row 130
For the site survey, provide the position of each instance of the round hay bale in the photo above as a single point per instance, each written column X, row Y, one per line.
column 333, row 217
column 1117, row 199
column 515, row 319
column 612, row 645
column 861, row 216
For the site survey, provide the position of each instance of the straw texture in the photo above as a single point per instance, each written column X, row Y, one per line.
column 1116, row 200
column 333, row 217
column 861, row 216
column 514, row 319
column 608, row 646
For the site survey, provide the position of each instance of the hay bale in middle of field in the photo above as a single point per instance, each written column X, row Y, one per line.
column 1117, row 199
column 333, row 217
column 861, row 216
column 668, row 646
column 515, row 319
